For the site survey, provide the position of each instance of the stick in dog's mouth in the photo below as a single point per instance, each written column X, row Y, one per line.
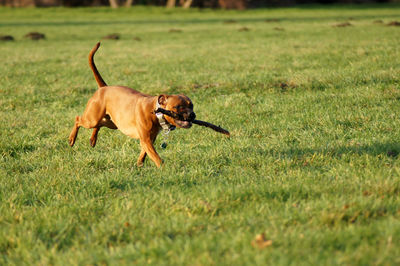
column 212, row 126
column 187, row 123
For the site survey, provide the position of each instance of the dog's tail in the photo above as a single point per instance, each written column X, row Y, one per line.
column 97, row 76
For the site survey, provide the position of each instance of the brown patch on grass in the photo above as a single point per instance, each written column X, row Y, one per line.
column 285, row 86
column 192, row 87
column 230, row 21
column 112, row 36
column 280, row 86
column 35, row 36
column 342, row 25
column 269, row 20
column 392, row 153
column 6, row 38
column 138, row 39
column 207, row 206
column 366, row 193
column 175, row 30
column 279, row 29
column 394, row 23
column 244, row 29
column 205, row 86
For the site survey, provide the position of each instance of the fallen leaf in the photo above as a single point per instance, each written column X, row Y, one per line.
column 261, row 242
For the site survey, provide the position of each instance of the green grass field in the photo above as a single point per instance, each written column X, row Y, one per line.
column 312, row 163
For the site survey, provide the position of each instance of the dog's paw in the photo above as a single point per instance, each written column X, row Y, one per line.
column 71, row 141
column 93, row 142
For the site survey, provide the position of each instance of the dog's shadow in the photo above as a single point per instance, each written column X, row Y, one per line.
column 387, row 149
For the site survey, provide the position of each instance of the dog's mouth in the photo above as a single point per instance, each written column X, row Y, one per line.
column 185, row 120
column 183, row 124
column 180, row 120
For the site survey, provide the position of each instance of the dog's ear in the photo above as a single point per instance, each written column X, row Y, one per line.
column 162, row 99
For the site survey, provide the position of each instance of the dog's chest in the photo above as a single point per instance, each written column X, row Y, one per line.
column 130, row 131
column 126, row 125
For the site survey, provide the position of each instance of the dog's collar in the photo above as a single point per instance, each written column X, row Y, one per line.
column 163, row 122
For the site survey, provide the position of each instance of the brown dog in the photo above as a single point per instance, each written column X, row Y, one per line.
column 133, row 113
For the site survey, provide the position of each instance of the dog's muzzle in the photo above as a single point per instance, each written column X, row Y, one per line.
column 185, row 120
column 188, row 117
column 181, row 120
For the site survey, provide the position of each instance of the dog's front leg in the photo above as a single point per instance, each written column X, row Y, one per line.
column 148, row 148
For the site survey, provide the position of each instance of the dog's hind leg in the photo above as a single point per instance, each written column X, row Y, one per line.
column 141, row 158
column 74, row 132
column 105, row 122
column 91, row 118
column 93, row 138
column 80, row 121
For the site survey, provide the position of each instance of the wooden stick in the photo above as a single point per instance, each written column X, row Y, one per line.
column 170, row 113
column 197, row 122
column 214, row 127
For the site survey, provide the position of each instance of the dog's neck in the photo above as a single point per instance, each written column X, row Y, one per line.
column 163, row 122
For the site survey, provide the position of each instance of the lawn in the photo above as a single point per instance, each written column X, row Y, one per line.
column 312, row 163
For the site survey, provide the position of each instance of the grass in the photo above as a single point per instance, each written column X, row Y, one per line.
column 312, row 162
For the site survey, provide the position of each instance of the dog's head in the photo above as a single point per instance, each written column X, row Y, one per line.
column 180, row 105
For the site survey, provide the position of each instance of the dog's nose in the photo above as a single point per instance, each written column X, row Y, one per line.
column 192, row 116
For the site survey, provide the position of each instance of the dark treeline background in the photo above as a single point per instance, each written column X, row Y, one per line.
column 228, row 4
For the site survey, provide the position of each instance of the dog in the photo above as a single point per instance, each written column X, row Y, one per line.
column 133, row 113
